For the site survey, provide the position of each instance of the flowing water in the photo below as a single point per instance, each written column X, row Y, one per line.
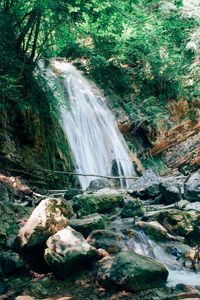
column 177, row 273
column 96, row 143
column 135, row 240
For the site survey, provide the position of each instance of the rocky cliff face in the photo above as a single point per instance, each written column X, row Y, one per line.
column 178, row 145
column 31, row 140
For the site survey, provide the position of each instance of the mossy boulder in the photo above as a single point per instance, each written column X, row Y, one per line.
column 68, row 251
column 70, row 193
column 154, row 230
column 170, row 192
column 132, row 208
column 87, row 224
column 50, row 216
column 10, row 263
column 11, row 216
column 176, row 221
column 132, row 272
column 109, row 240
column 96, row 203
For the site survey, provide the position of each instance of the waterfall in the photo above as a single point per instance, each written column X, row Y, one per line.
column 89, row 126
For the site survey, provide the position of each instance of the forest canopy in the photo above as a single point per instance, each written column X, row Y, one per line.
column 146, row 51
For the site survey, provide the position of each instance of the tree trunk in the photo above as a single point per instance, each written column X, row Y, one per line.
column 29, row 24
column 37, row 30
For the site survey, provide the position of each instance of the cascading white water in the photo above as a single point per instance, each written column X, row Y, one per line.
column 89, row 126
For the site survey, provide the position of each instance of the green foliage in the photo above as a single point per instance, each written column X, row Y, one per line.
column 145, row 51
column 10, row 81
column 154, row 163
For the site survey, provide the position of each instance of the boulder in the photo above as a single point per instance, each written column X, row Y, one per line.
column 87, row 224
column 193, row 206
column 192, row 187
column 176, row 221
column 147, row 186
column 70, row 193
column 170, row 192
column 181, row 204
column 97, row 203
column 50, row 216
column 182, row 248
column 68, row 251
column 109, row 240
column 10, row 263
column 132, row 208
column 132, row 272
column 11, row 216
column 99, row 184
column 154, row 230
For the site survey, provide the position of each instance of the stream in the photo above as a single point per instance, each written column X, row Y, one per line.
column 137, row 241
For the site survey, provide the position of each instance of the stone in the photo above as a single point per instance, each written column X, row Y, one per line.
column 182, row 248
column 70, row 193
column 102, row 253
column 97, row 203
column 132, row 272
column 109, row 240
column 132, row 208
column 88, row 223
column 67, row 251
column 50, row 216
column 192, row 187
column 11, row 216
column 99, row 184
column 181, row 204
column 193, row 206
column 176, row 221
column 170, row 192
column 154, row 230
column 147, row 186
column 10, row 263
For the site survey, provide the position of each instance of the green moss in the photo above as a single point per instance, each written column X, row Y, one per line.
column 88, row 204
column 156, row 164
column 11, row 215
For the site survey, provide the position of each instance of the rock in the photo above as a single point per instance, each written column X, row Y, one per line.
column 193, row 206
column 11, row 216
column 147, row 186
column 87, row 224
column 170, row 192
column 181, row 204
column 70, row 193
column 154, row 230
column 99, row 184
column 50, row 216
column 102, row 253
column 176, row 221
column 182, row 248
column 111, row 241
column 192, row 187
column 97, row 203
column 132, row 272
column 68, row 251
column 190, row 254
column 10, row 263
column 132, row 208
